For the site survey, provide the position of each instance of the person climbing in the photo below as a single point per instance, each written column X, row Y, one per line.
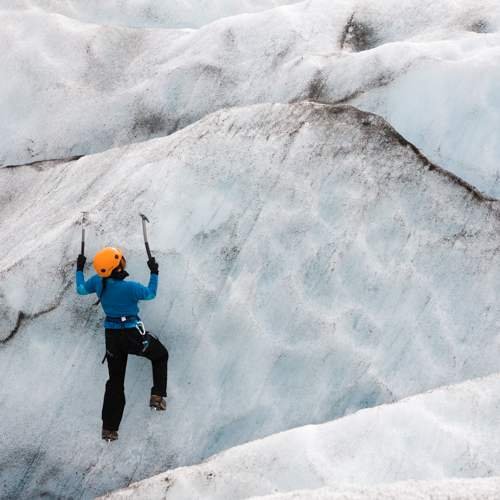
column 124, row 330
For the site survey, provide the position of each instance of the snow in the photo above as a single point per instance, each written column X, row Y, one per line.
column 415, row 64
column 312, row 263
column 447, row 433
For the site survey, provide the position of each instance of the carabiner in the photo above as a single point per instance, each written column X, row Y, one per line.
column 141, row 328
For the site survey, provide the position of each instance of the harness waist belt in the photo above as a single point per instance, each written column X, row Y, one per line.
column 122, row 319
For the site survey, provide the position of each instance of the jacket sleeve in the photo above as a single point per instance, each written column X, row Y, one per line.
column 85, row 287
column 142, row 292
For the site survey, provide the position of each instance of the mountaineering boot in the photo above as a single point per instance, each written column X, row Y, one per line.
column 109, row 435
column 157, row 403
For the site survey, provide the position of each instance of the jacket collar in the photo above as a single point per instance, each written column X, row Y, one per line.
column 119, row 275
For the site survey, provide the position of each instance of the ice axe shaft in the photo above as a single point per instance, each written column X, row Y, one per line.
column 145, row 234
column 84, row 220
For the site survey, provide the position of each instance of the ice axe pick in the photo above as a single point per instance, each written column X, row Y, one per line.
column 145, row 234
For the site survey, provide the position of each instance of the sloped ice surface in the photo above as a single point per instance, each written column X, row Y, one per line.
column 448, row 433
column 312, row 263
column 149, row 13
column 415, row 63
column 446, row 489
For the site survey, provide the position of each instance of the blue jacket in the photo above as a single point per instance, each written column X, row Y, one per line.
column 120, row 297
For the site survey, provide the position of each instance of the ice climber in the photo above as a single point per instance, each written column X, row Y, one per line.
column 125, row 333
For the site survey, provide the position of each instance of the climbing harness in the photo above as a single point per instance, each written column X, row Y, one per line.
column 121, row 320
column 110, row 354
column 139, row 326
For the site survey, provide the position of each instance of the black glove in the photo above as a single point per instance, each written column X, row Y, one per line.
column 153, row 265
column 80, row 262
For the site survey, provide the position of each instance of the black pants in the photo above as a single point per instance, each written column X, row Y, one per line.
column 119, row 344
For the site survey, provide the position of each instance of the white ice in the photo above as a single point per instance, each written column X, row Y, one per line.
column 312, row 264
column 430, row 438
column 446, row 489
column 147, row 13
column 430, row 69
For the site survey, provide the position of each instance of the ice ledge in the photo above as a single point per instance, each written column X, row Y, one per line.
column 449, row 489
column 448, row 432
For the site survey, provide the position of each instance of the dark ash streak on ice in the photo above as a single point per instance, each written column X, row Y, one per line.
column 392, row 132
column 22, row 316
column 42, row 164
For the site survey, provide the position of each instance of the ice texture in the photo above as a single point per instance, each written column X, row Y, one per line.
column 446, row 489
column 312, row 263
column 417, row 444
column 148, row 13
column 430, row 68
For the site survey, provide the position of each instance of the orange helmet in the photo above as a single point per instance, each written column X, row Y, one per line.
column 106, row 260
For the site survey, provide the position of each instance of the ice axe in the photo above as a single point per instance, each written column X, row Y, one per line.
column 84, row 221
column 144, row 232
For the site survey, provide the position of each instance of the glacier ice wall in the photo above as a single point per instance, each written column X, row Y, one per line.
column 313, row 263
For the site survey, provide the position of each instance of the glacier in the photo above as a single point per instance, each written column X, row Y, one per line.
column 417, row 72
column 366, row 455
column 146, row 13
column 322, row 181
column 313, row 263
